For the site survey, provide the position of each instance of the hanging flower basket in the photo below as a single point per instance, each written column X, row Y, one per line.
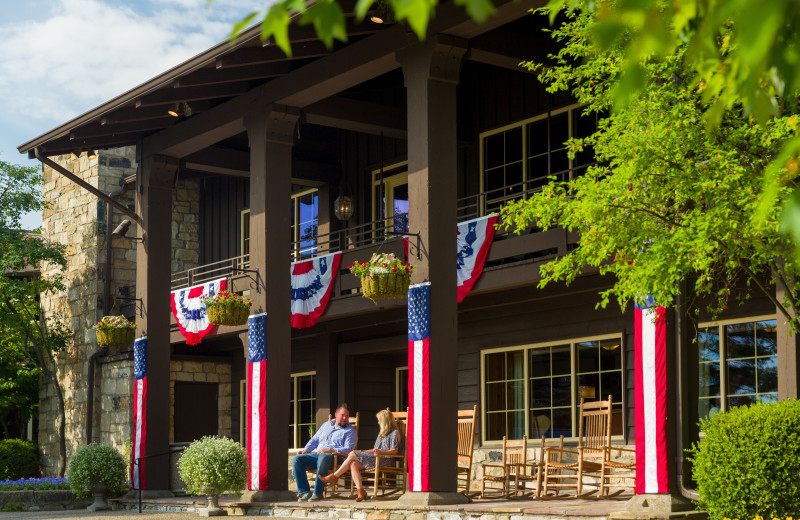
column 383, row 277
column 114, row 331
column 227, row 308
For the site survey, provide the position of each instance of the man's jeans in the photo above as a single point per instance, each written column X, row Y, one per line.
column 308, row 461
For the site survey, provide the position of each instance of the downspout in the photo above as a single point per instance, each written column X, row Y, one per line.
column 106, row 309
column 682, row 391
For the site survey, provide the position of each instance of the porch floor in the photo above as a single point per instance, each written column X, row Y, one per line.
column 348, row 509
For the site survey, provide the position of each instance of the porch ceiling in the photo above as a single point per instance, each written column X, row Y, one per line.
column 221, row 84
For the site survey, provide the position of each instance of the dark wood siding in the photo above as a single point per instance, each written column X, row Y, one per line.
column 222, row 200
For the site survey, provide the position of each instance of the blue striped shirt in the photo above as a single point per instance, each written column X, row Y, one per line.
column 329, row 436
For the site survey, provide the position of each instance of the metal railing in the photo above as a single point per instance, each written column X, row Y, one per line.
column 152, row 456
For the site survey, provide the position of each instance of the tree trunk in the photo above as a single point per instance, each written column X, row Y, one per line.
column 62, row 440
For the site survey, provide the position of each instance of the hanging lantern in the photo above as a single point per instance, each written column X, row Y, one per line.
column 343, row 205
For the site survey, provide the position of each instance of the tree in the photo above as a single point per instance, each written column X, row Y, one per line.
column 328, row 19
column 669, row 200
column 32, row 338
column 742, row 54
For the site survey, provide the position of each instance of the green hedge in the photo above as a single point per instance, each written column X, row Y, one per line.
column 748, row 463
column 18, row 459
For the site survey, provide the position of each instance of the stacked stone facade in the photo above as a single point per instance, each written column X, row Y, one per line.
column 77, row 219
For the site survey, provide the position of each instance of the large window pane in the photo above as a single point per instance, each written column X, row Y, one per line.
column 505, row 394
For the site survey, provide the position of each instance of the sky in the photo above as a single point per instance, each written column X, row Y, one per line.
column 61, row 58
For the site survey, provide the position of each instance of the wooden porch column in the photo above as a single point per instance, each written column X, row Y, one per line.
column 271, row 133
column 788, row 357
column 432, row 72
column 154, row 205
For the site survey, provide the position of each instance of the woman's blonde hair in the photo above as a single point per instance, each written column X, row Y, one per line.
column 386, row 422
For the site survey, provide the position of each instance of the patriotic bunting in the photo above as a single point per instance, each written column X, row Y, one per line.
column 312, row 281
column 474, row 240
column 256, row 402
column 190, row 311
column 139, row 412
column 651, row 398
column 419, row 425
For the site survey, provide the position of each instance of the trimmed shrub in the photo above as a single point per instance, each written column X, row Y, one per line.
column 97, row 462
column 212, row 466
column 18, row 459
column 748, row 463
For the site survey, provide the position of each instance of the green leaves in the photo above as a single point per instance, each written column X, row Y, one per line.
column 328, row 20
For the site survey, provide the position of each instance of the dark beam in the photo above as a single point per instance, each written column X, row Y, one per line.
column 270, row 54
column 506, row 49
column 125, row 114
column 124, row 128
column 171, row 95
column 307, row 33
column 64, row 145
column 358, row 116
column 210, row 76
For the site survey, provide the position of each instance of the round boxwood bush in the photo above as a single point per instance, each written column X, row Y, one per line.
column 748, row 463
column 212, row 466
column 94, row 463
column 18, row 459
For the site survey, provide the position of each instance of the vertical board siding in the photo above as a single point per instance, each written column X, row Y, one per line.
column 223, row 199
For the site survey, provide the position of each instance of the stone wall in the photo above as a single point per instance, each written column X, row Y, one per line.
column 77, row 219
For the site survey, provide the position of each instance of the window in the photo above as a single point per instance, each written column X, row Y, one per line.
column 393, row 202
column 302, row 408
column 521, row 156
column 304, row 221
column 401, row 389
column 738, row 364
column 536, row 390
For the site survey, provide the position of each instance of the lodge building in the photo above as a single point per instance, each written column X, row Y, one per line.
column 420, row 136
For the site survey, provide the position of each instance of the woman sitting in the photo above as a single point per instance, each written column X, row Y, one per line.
column 387, row 443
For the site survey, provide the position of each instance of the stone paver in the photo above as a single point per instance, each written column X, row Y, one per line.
column 96, row 515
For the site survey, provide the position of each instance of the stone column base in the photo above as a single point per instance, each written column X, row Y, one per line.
column 431, row 498
column 661, row 505
column 269, row 495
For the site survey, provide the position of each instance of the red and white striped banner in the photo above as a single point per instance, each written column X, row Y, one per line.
column 652, row 474
column 419, row 423
column 257, row 402
column 139, row 412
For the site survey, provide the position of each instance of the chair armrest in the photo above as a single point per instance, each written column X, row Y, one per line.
column 561, row 450
column 614, row 448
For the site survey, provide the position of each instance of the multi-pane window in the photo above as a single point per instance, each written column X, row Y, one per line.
column 302, row 408
column 536, row 390
column 520, row 157
column 738, row 364
column 304, row 219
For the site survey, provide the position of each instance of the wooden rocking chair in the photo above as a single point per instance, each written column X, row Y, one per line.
column 330, row 490
column 593, row 453
column 533, row 471
column 512, row 463
column 390, row 481
column 466, row 438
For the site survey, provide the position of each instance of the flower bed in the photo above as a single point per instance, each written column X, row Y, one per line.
column 384, row 276
column 114, row 331
column 227, row 308
column 34, row 483
column 38, row 494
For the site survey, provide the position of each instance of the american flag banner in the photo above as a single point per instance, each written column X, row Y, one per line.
column 473, row 243
column 256, row 402
column 312, row 281
column 419, row 424
column 190, row 311
column 650, row 365
column 139, row 412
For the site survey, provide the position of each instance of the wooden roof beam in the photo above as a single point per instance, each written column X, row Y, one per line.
column 124, row 128
column 209, row 76
column 172, row 95
column 236, row 163
column 126, row 114
column 358, row 116
column 270, row 54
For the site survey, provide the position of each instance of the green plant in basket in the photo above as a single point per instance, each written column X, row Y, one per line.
column 384, row 276
column 114, row 331
column 227, row 308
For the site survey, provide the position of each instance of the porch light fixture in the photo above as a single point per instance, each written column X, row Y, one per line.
column 174, row 111
column 383, row 13
column 343, row 205
column 91, row 154
column 180, row 109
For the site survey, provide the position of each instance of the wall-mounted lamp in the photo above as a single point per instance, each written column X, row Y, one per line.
column 343, row 205
column 91, row 154
column 121, row 230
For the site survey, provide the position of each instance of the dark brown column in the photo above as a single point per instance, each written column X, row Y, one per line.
column 431, row 73
column 154, row 205
column 788, row 358
column 271, row 133
column 327, row 377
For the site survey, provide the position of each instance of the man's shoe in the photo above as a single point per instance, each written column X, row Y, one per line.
column 304, row 497
column 315, row 498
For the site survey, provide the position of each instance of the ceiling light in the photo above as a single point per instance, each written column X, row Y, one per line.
column 174, row 111
column 91, row 154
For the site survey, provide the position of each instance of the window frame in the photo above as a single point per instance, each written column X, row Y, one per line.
column 398, row 386
column 523, row 125
column 723, row 350
column 244, row 239
column 574, row 399
column 295, row 378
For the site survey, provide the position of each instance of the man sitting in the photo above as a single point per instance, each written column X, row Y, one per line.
column 336, row 436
